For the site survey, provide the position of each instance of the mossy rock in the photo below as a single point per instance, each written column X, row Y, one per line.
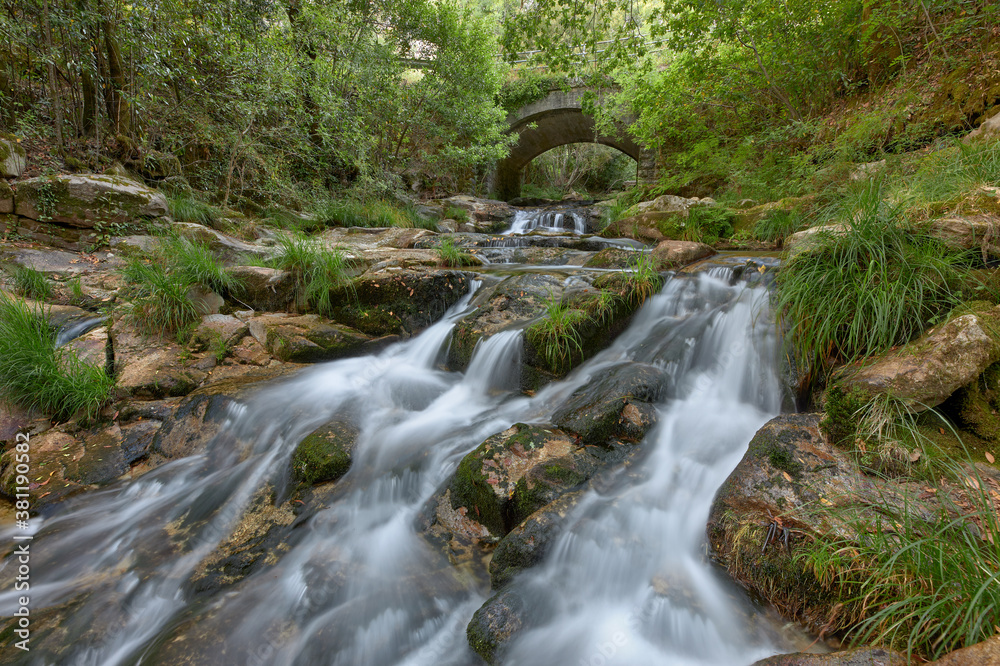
column 324, row 454
column 613, row 257
column 87, row 200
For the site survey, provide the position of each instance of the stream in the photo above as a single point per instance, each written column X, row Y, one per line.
column 627, row 583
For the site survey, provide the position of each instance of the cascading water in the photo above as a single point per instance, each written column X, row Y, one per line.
column 564, row 221
column 358, row 583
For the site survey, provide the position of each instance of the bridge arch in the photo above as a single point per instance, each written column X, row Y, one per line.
column 558, row 119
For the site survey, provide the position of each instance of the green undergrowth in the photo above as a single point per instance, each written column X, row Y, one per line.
column 777, row 225
column 186, row 208
column 377, row 213
column 35, row 374
column 877, row 282
column 317, row 271
column 557, row 336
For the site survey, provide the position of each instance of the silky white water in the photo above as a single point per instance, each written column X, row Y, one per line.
column 359, row 582
column 570, row 221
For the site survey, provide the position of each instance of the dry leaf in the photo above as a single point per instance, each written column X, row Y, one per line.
column 990, row 458
column 787, row 476
column 942, row 430
column 915, row 456
column 825, row 502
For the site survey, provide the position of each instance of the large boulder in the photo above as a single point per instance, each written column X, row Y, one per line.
column 775, row 499
column 980, row 654
column 989, row 129
column 265, row 289
column 87, row 200
column 863, row 656
column 6, row 198
column 924, row 373
column 13, row 157
column 968, row 232
column 151, row 367
column 655, row 221
column 671, row 254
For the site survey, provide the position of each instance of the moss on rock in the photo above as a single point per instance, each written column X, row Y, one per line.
column 324, row 454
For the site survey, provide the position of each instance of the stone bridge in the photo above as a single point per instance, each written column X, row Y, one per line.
column 559, row 119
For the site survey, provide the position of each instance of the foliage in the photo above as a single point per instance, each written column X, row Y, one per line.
column 642, row 280
column 161, row 302
column 874, row 283
column 317, row 271
column 454, row 256
column 37, row 375
column 777, row 225
column 708, row 224
column 30, row 283
column 195, row 263
column 186, row 208
column 556, row 335
column 591, row 167
column 375, row 213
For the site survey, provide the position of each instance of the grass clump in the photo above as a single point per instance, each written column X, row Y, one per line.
column 185, row 208
column 875, row 283
column 923, row 582
column 30, row 283
column 777, row 225
column 317, row 271
column 557, row 336
column 35, row 374
column 643, row 280
column 196, row 263
column 454, row 256
column 377, row 213
column 707, row 224
column 943, row 178
column 455, row 213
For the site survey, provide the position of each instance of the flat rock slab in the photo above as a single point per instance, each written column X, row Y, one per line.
column 306, row 338
column 986, row 653
column 59, row 261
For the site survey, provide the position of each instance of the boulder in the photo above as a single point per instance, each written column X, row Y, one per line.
column 226, row 328
column 752, row 212
column 265, row 289
column 667, row 203
column 672, row 254
column 492, row 626
column 91, row 347
column 205, row 301
column 13, row 157
column 86, row 200
column 527, row 544
column 806, row 239
column 487, row 215
column 306, row 338
column 614, row 257
column 156, row 165
column 864, row 656
column 226, row 246
column 989, row 129
column 152, row 367
column 773, row 500
column 924, row 373
column 980, row 654
column 325, row 453
column 615, row 403
column 968, row 232
column 515, row 472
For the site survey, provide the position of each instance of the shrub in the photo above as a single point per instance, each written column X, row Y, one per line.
column 37, row 375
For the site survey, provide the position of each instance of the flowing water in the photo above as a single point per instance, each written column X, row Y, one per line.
column 565, row 221
column 359, row 583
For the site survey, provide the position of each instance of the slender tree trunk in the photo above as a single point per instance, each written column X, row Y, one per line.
column 118, row 110
column 51, row 67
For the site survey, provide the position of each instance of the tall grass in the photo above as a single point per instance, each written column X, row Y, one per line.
column 196, row 263
column 37, row 375
column 454, row 256
column 875, row 284
column 643, row 280
column 777, row 225
column 317, row 271
column 944, row 177
column 161, row 302
column 557, row 336
column 185, row 208
column 30, row 283
column 377, row 213
column 927, row 584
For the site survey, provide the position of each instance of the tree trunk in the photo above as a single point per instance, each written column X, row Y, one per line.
column 51, row 67
column 118, row 110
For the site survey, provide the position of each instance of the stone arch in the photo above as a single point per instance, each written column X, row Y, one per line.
column 558, row 119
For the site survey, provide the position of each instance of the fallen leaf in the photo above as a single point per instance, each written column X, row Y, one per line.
column 787, row 476
column 990, row 458
column 942, row 430
column 915, row 456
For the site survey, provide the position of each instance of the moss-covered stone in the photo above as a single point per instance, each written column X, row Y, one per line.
column 87, row 200
column 324, row 454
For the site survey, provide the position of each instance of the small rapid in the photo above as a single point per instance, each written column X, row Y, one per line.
column 563, row 221
column 359, row 582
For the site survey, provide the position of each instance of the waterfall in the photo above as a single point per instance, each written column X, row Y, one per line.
column 571, row 221
column 358, row 583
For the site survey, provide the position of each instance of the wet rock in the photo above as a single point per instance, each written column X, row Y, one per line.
column 980, row 654
column 305, row 338
column 925, row 372
column 15, row 419
column 90, row 348
column 52, row 453
column 265, row 289
column 324, row 454
column 82, row 200
column 616, row 403
column 498, row 620
column 488, row 215
column 790, row 471
column 614, row 257
column 514, row 473
column 671, row 254
column 402, row 302
column 527, row 544
column 865, row 656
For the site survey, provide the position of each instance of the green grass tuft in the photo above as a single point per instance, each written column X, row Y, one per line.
column 37, row 375
column 30, row 283
column 160, row 298
column 317, row 271
column 454, row 256
column 556, row 336
column 777, row 225
column 186, row 208
column 643, row 280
